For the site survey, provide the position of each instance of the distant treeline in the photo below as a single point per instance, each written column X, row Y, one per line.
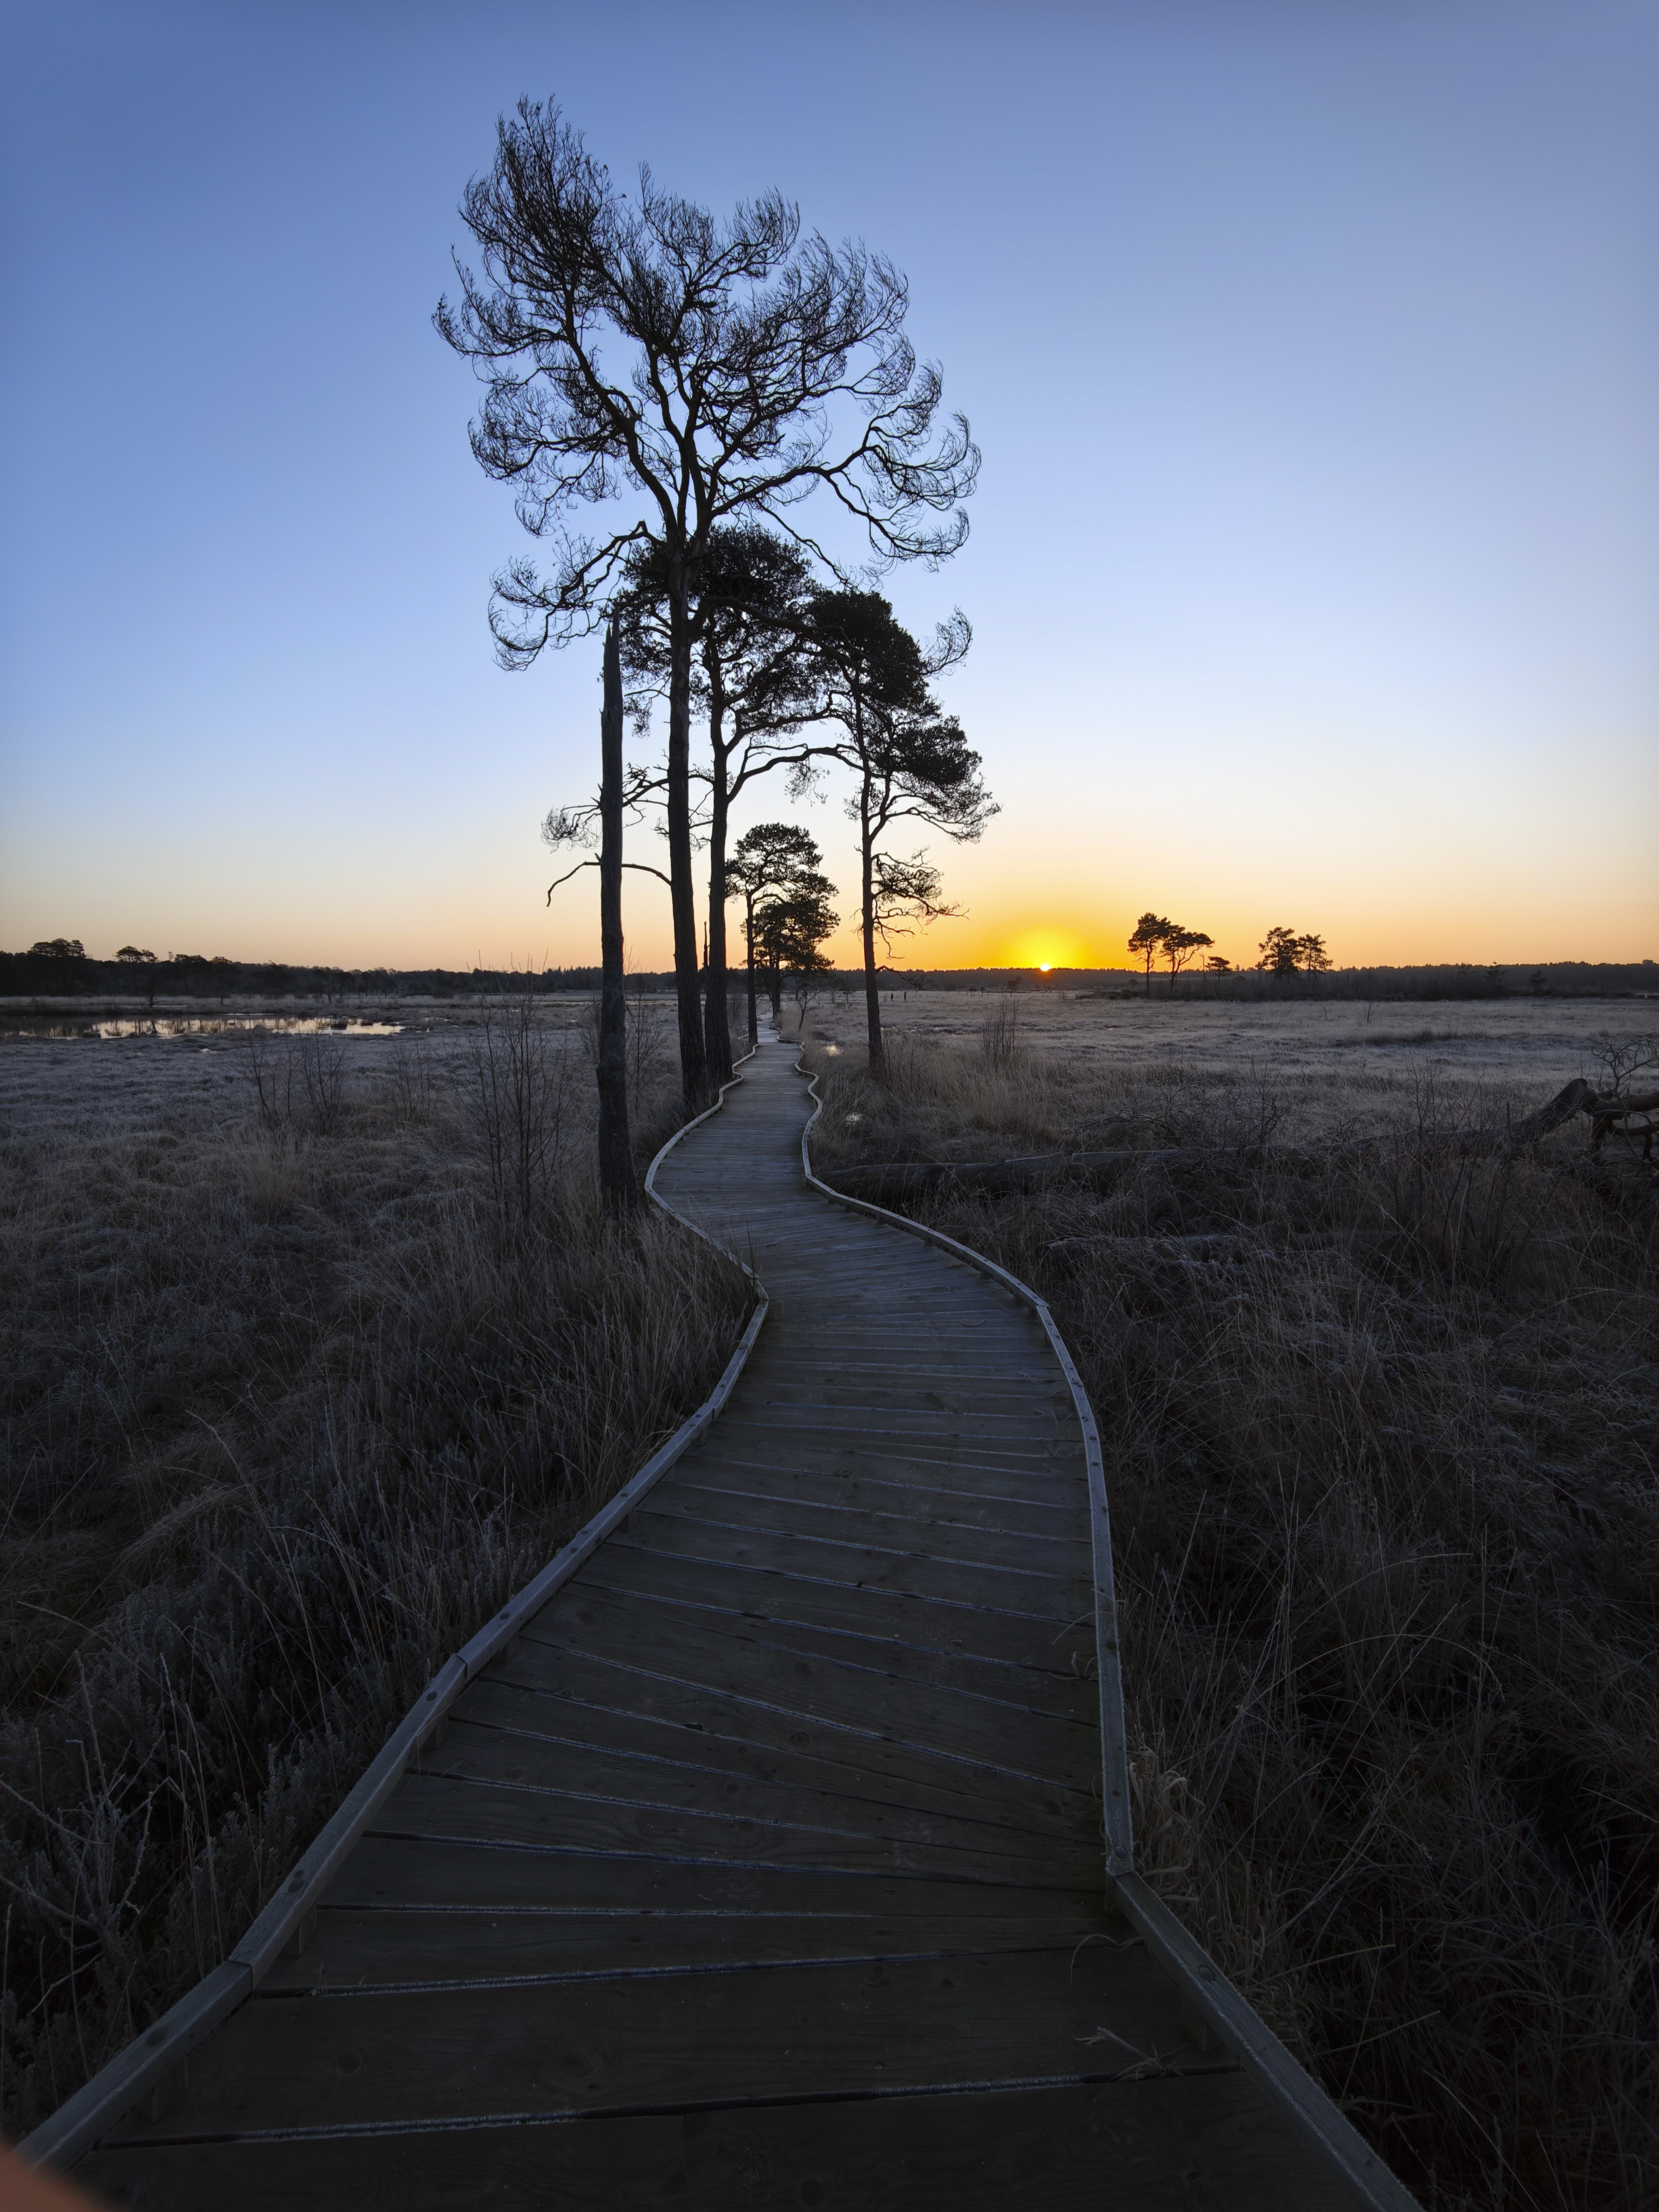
column 195, row 975
column 1560, row 979
column 34, row 974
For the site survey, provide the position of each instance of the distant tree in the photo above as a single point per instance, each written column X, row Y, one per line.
column 790, row 928
column 1311, row 955
column 910, row 763
column 638, row 350
column 58, row 948
column 1180, row 947
column 133, row 955
column 773, row 861
column 1147, row 940
column 1215, row 965
column 1280, row 952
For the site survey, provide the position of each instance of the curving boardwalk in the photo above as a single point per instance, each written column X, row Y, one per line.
column 767, row 1869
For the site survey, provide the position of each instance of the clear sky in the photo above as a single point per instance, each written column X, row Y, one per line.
column 1311, row 344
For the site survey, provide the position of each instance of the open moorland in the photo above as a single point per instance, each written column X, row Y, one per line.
column 316, row 1345
column 1379, row 1403
column 314, row 1348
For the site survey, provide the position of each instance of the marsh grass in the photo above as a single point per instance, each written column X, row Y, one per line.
column 297, row 1388
column 1380, row 1457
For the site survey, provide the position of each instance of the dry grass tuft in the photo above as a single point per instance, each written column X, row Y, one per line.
column 1379, row 1441
column 299, row 1383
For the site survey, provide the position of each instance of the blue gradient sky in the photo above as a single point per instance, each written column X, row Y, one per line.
column 1311, row 347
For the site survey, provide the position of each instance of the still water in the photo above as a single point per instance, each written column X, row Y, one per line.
column 192, row 1025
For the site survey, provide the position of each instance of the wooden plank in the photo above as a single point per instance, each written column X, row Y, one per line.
column 463, row 1812
column 1051, row 1490
column 919, row 1498
column 391, row 1873
column 519, row 1760
column 1051, row 1467
column 1000, row 1588
column 724, row 1735
column 1151, row 2146
column 1028, row 1688
column 929, row 1624
column 846, row 1389
column 821, row 1686
column 782, row 2032
column 355, row 1950
column 842, row 1521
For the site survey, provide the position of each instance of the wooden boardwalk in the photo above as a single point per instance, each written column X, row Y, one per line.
column 767, row 1869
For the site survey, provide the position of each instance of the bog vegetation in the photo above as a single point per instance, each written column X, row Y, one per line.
column 294, row 1396
column 1379, row 1414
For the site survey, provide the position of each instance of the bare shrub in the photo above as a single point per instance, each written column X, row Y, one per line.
column 413, row 1079
column 1379, row 1425
column 322, row 1079
column 515, row 1095
column 284, row 1424
column 268, row 1064
column 298, row 1083
column 998, row 1034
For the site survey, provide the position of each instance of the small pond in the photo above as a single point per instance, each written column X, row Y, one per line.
column 195, row 1025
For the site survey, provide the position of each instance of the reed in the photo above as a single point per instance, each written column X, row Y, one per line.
column 1379, row 1422
column 300, row 1383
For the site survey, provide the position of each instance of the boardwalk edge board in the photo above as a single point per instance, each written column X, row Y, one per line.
column 152, row 2065
column 1229, row 2014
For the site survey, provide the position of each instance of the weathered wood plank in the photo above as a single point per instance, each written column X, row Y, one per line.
column 777, row 2031
column 1034, row 1689
column 685, row 1652
column 518, row 1759
column 723, row 1735
column 1144, row 2147
column 923, row 1500
column 397, row 1872
column 1000, row 1588
column 841, row 1521
column 473, row 1811
column 930, row 1624
column 353, row 1950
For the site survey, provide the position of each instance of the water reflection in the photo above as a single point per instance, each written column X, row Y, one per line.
column 190, row 1025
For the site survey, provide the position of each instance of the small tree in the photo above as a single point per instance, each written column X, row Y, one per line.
column 773, row 861
column 1215, row 965
column 1146, row 941
column 1180, row 947
column 789, row 931
column 909, row 761
column 134, row 956
column 640, row 351
column 1279, row 951
column 1311, row 955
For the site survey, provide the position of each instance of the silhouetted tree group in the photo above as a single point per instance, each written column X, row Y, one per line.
column 699, row 381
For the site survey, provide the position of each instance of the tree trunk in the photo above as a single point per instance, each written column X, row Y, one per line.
column 774, row 991
column 749, row 942
column 872, row 989
column 616, row 1183
column 694, row 1062
column 717, row 1026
